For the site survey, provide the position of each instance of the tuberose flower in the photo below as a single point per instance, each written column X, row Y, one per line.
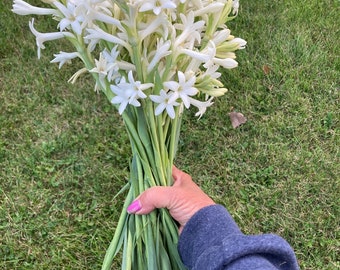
column 112, row 63
column 213, row 7
column 94, row 10
column 64, row 57
column 236, row 5
column 201, row 105
column 128, row 92
column 96, row 34
column 71, row 18
column 22, row 8
column 182, row 89
column 153, row 25
column 101, row 67
column 208, row 57
column 42, row 37
column 156, row 6
column 241, row 42
column 190, row 29
column 165, row 103
column 161, row 51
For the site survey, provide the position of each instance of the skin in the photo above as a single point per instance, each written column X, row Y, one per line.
column 183, row 199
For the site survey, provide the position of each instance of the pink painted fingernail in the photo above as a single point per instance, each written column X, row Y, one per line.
column 134, row 207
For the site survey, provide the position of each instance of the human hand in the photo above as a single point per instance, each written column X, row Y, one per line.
column 183, row 199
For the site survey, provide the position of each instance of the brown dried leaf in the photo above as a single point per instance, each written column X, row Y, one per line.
column 266, row 69
column 237, row 119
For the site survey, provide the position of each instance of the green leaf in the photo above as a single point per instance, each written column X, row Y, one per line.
column 117, row 240
column 150, row 245
column 122, row 190
column 128, row 244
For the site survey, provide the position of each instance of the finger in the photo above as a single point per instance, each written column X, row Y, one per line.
column 180, row 176
column 155, row 197
column 176, row 173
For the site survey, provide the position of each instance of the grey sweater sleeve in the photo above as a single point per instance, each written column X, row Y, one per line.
column 212, row 240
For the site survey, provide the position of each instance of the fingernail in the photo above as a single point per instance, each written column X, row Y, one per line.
column 134, row 207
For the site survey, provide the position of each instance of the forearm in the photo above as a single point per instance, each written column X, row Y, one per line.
column 212, row 240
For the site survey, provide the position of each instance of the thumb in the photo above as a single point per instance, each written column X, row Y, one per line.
column 155, row 197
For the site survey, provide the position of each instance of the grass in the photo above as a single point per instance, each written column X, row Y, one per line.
column 64, row 152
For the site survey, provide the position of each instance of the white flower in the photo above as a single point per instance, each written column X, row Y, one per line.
column 92, row 11
column 221, row 36
column 207, row 56
column 190, row 29
column 213, row 7
column 112, row 67
column 164, row 103
column 156, row 5
column 242, row 43
column 154, row 25
column 123, row 94
column 96, row 34
column 201, row 105
column 161, row 51
column 22, row 8
column 212, row 71
column 236, row 5
column 64, row 57
column 182, row 89
column 111, row 57
column 42, row 37
column 102, row 67
column 123, row 65
column 71, row 18
column 128, row 92
column 203, row 56
column 226, row 62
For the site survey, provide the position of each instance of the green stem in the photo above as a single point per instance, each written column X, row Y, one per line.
column 116, row 241
column 158, row 144
column 133, row 135
column 174, row 136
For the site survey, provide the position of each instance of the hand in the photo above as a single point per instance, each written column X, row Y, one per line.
column 183, row 199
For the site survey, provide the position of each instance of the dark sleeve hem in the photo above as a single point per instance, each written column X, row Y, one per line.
column 206, row 228
column 212, row 240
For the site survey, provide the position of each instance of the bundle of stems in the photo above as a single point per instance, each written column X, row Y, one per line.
column 149, row 242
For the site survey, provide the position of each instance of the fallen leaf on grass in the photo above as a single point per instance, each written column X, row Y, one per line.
column 237, row 119
column 266, row 69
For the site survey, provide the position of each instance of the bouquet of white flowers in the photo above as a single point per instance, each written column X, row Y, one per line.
column 152, row 59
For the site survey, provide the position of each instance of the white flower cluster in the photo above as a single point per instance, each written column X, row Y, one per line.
column 167, row 52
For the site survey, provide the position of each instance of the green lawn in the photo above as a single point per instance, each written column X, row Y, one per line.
column 64, row 152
